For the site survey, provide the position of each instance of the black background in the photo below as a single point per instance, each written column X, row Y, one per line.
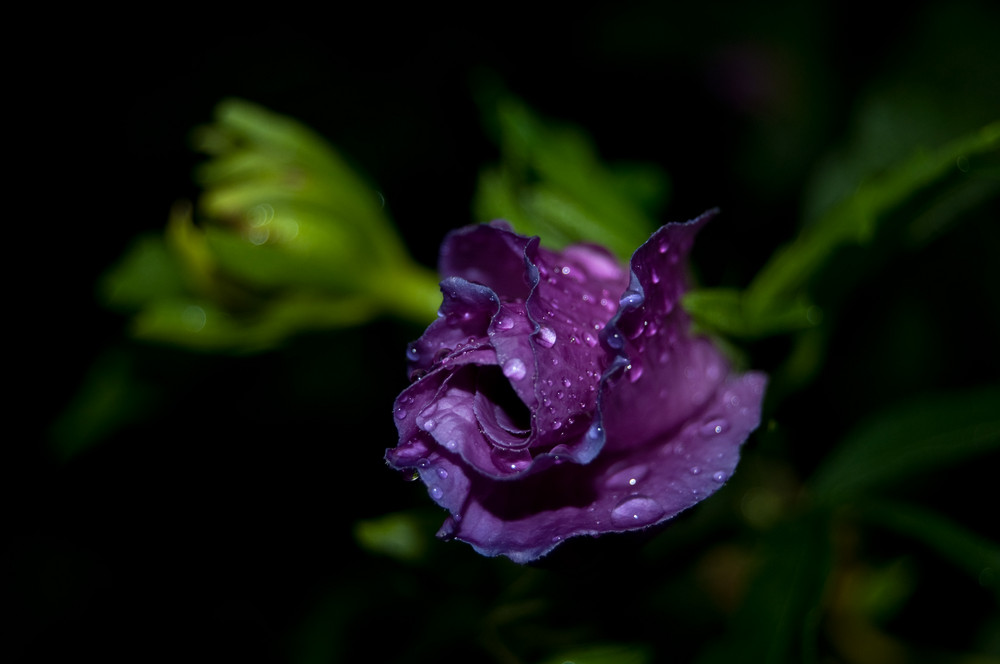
column 211, row 527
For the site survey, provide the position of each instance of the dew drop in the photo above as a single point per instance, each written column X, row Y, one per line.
column 636, row 511
column 589, row 339
column 514, row 369
column 436, row 492
column 442, row 473
column 505, row 323
column 719, row 476
column 400, row 413
column 630, row 300
column 695, row 470
column 595, row 432
column 412, row 354
column 546, row 337
column 429, row 425
column 714, row 427
column 627, row 477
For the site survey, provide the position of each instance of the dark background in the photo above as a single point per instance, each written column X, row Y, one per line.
column 216, row 526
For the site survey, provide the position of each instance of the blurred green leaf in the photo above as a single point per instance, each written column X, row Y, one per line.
column 400, row 535
column 775, row 622
column 854, row 219
column 109, row 398
column 777, row 300
column 551, row 183
column 147, row 271
column 290, row 238
column 723, row 310
column 975, row 555
column 917, row 437
column 604, row 654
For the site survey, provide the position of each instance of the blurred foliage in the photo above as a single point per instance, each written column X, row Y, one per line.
column 291, row 239
column 551, row 183
column 242, row 421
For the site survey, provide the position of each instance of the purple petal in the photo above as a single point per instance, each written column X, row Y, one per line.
column 529, row 431
column 487, row 254
column 462, row 324
column 637, row 488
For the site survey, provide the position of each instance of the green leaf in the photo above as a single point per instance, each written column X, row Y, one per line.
column 613, row 653
column 551, row 183
column 723, row 310
column 975, row 555
column 148, row 271
column 918, row 437
column 854, row 219
column 777, row 300
column 199, row 324
column 109, row 398
column 401, row 535
column 775, row 623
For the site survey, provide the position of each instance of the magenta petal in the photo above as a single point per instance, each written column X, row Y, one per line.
column 560, row 395
column 463, row 323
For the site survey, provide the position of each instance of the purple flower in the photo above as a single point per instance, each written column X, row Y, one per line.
column 559, row 394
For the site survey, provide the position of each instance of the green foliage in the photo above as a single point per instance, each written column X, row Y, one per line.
column 927, row 435
column 603, row 654
column 777, row 301
column 290, row 239
column 550, row 182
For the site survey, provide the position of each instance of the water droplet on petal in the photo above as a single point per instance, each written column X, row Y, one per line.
column 429, row 425
column 436, row 492
column 627, row 477
column 630, row 300
column 589, row 339
column 595, row 432
column 714, row 427
column 615, row 341
column 695, row 470
column 515, row 369
column 719, row 476
column 546, row 337
column 442, row 473
column 636, row 511
column 400, row 413
column 505, row 323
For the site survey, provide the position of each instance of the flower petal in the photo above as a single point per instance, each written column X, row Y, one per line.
column 488, row 254
column 633, row 489
column 462, row 324
column 573, row 299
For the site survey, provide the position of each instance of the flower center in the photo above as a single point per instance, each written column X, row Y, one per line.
column 501, row 414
